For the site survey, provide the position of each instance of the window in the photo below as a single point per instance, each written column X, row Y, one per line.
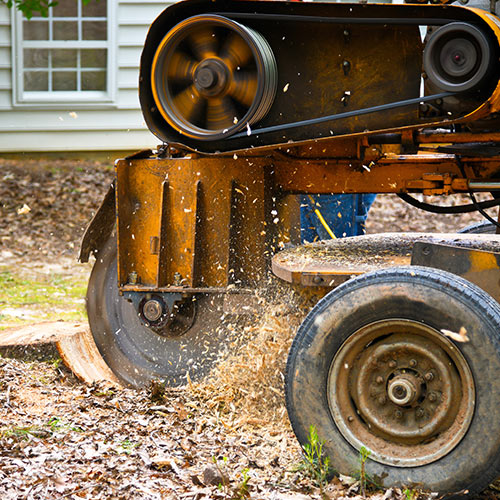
column 64, row 57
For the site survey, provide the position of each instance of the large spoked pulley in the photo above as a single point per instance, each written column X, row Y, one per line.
column 458, row 57
column 212, row 77
column 371, row 366
column 188, row 344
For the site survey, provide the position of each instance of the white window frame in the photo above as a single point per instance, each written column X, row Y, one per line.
column 61, row 99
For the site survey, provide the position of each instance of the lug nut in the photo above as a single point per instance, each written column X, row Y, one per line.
column 379, row 380
column 413, row 363
column 432, row 396
column 429, row 376
column 392, row 364
column 419, row 413
column 398, row 414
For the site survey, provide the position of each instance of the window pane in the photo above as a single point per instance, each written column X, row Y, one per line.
column 64, row 58
column 36, row 58
column 93, row 80
column 35, row 30
column 65, row 30
column 94, row 30
column 65, row 8
column 64, row 80
column 36, row 80
column 95, row 8
column 93, row 58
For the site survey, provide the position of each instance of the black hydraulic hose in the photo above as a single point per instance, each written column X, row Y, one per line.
column 475, row 206
column 475, row 203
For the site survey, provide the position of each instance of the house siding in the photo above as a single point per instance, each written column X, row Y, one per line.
column 113, row 126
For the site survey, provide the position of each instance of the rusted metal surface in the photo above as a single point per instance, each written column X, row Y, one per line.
column 192, row 222
column 402, row 390
column 349, row 81
column 100, row 227
column 384, row 173
column 74, row 343
column 329, row 263
column 477, row 266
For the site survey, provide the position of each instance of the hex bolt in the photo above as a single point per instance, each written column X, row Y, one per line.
column 432, row 396
column 392, row 364
column 379, row 380
column 413, row 363
column 419, row 413
column 177, row 279
column 346, row 66
column 398, row 414
column 429, row 376
column 382, row 400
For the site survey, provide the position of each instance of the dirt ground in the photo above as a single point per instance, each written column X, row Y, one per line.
column 226, row 437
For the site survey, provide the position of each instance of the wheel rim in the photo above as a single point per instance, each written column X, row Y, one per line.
column 211, row 77
column 402, row 390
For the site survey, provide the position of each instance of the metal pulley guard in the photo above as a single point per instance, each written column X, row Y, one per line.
column 307, row 73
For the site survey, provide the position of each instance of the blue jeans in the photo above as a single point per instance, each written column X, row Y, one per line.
column 345, row 214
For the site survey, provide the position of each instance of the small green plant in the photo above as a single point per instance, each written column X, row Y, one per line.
column 224, row 483
column 57, row 424
column 128, row 446
column 315, row 463
column 242, row 491
column 363, row 477
column 25, row 433
column 410, row 494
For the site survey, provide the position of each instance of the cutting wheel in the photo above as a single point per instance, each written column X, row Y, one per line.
column 212, row 77
column 137, row 354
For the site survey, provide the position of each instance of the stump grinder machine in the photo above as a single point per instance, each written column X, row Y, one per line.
column 255, row 102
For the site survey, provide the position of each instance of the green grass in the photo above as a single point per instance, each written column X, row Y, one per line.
column 40, row 298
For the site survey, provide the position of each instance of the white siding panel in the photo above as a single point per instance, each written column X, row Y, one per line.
column 5, row 79
column 106, row 140
column 4, row 35
column 4, row 15
column 129, row 57
column 5, row 57
column 128, row 99
column 139, row 13
column 132, row 35
column 117, row 127
column 5, row 101
column 61, row 121
column 128, row 78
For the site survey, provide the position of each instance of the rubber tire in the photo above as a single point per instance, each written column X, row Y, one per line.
column 482, row 227
column 438, row 299
column 137, row 355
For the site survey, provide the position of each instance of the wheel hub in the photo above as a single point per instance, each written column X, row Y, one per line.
column 211, row 77
column 403, row 389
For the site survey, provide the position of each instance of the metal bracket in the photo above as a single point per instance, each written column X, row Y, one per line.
column 477, row 266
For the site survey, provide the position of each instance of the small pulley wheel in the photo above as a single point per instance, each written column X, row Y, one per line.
column 458, row 57
column 212, row 77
